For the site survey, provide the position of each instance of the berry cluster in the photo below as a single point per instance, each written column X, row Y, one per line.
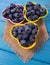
column 25, row 34
column 14, row 13
column 34, row 11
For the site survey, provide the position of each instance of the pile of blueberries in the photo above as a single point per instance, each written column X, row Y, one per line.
column 25, row 34
column 33, row 11
column 14, row 13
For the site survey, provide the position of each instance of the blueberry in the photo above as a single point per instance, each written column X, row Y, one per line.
column 15, row 14
column 32, row 39
column 24, row 43
column 29, row 4
column 4, row 14
column 10, row 16
column 30, row 18
column 15, row 29
column 20, row 30
column 7, row 11
column 35, row 17
column 28, row 13
column 21, row 14
column 42, row 11
column 21, row 10
column 29, row 8
column 14, row 34
column 38, row 13
column 21, row 7
column 13, row 10
column 28, row 30
column 15, row 20
column 32, row 26
column 21, row 18
column 25, row 36
column 12, row 5
column 32, row 12
column 35, row 8
column 19, row 36
column 36, row 27
column 34, row 32
column 38, row 6
column 29, row 43
column 17, row 10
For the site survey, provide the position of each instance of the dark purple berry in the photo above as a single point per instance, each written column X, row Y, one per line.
column 35, row 17
column 12, row 5
column 29, row 8
column 32, row 39
column 30, row 18
column 24, row 43
column 13, row 10
column 29, row 4
column 15, row 15
column 34, row 32
column 14, row 34
column 32, row 26
column 10, row 16
column 42, row 11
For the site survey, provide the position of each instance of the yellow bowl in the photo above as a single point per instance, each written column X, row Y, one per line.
column 36, row 19
column 33, row 45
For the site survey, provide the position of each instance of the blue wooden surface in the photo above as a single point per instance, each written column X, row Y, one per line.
column 7, row 55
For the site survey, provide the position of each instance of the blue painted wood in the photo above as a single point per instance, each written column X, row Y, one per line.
column 7, row 56
column 12, row 59
column 3, row 44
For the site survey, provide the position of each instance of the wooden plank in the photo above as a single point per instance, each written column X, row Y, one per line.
column 3, row 44
column 11, row 59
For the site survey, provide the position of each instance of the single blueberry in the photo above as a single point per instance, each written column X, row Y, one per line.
column 13, row 10
column 14, row 33
column 10, row 16
column 12, row 5
column 29, row 43
column 29, row 8
column 30, row 18
column 37, row 13
column 35, row 17
column 19, row 36
column 42, row 11
column 25, row 36
column 24, row 43
column 15, row 29
column 32, row 12
column 29, row 4
column 15, row 20
column 21, row 18
column 32, row 26
column 34, row 32
column 28, row 13
column 15, row 14
column 32, row 39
